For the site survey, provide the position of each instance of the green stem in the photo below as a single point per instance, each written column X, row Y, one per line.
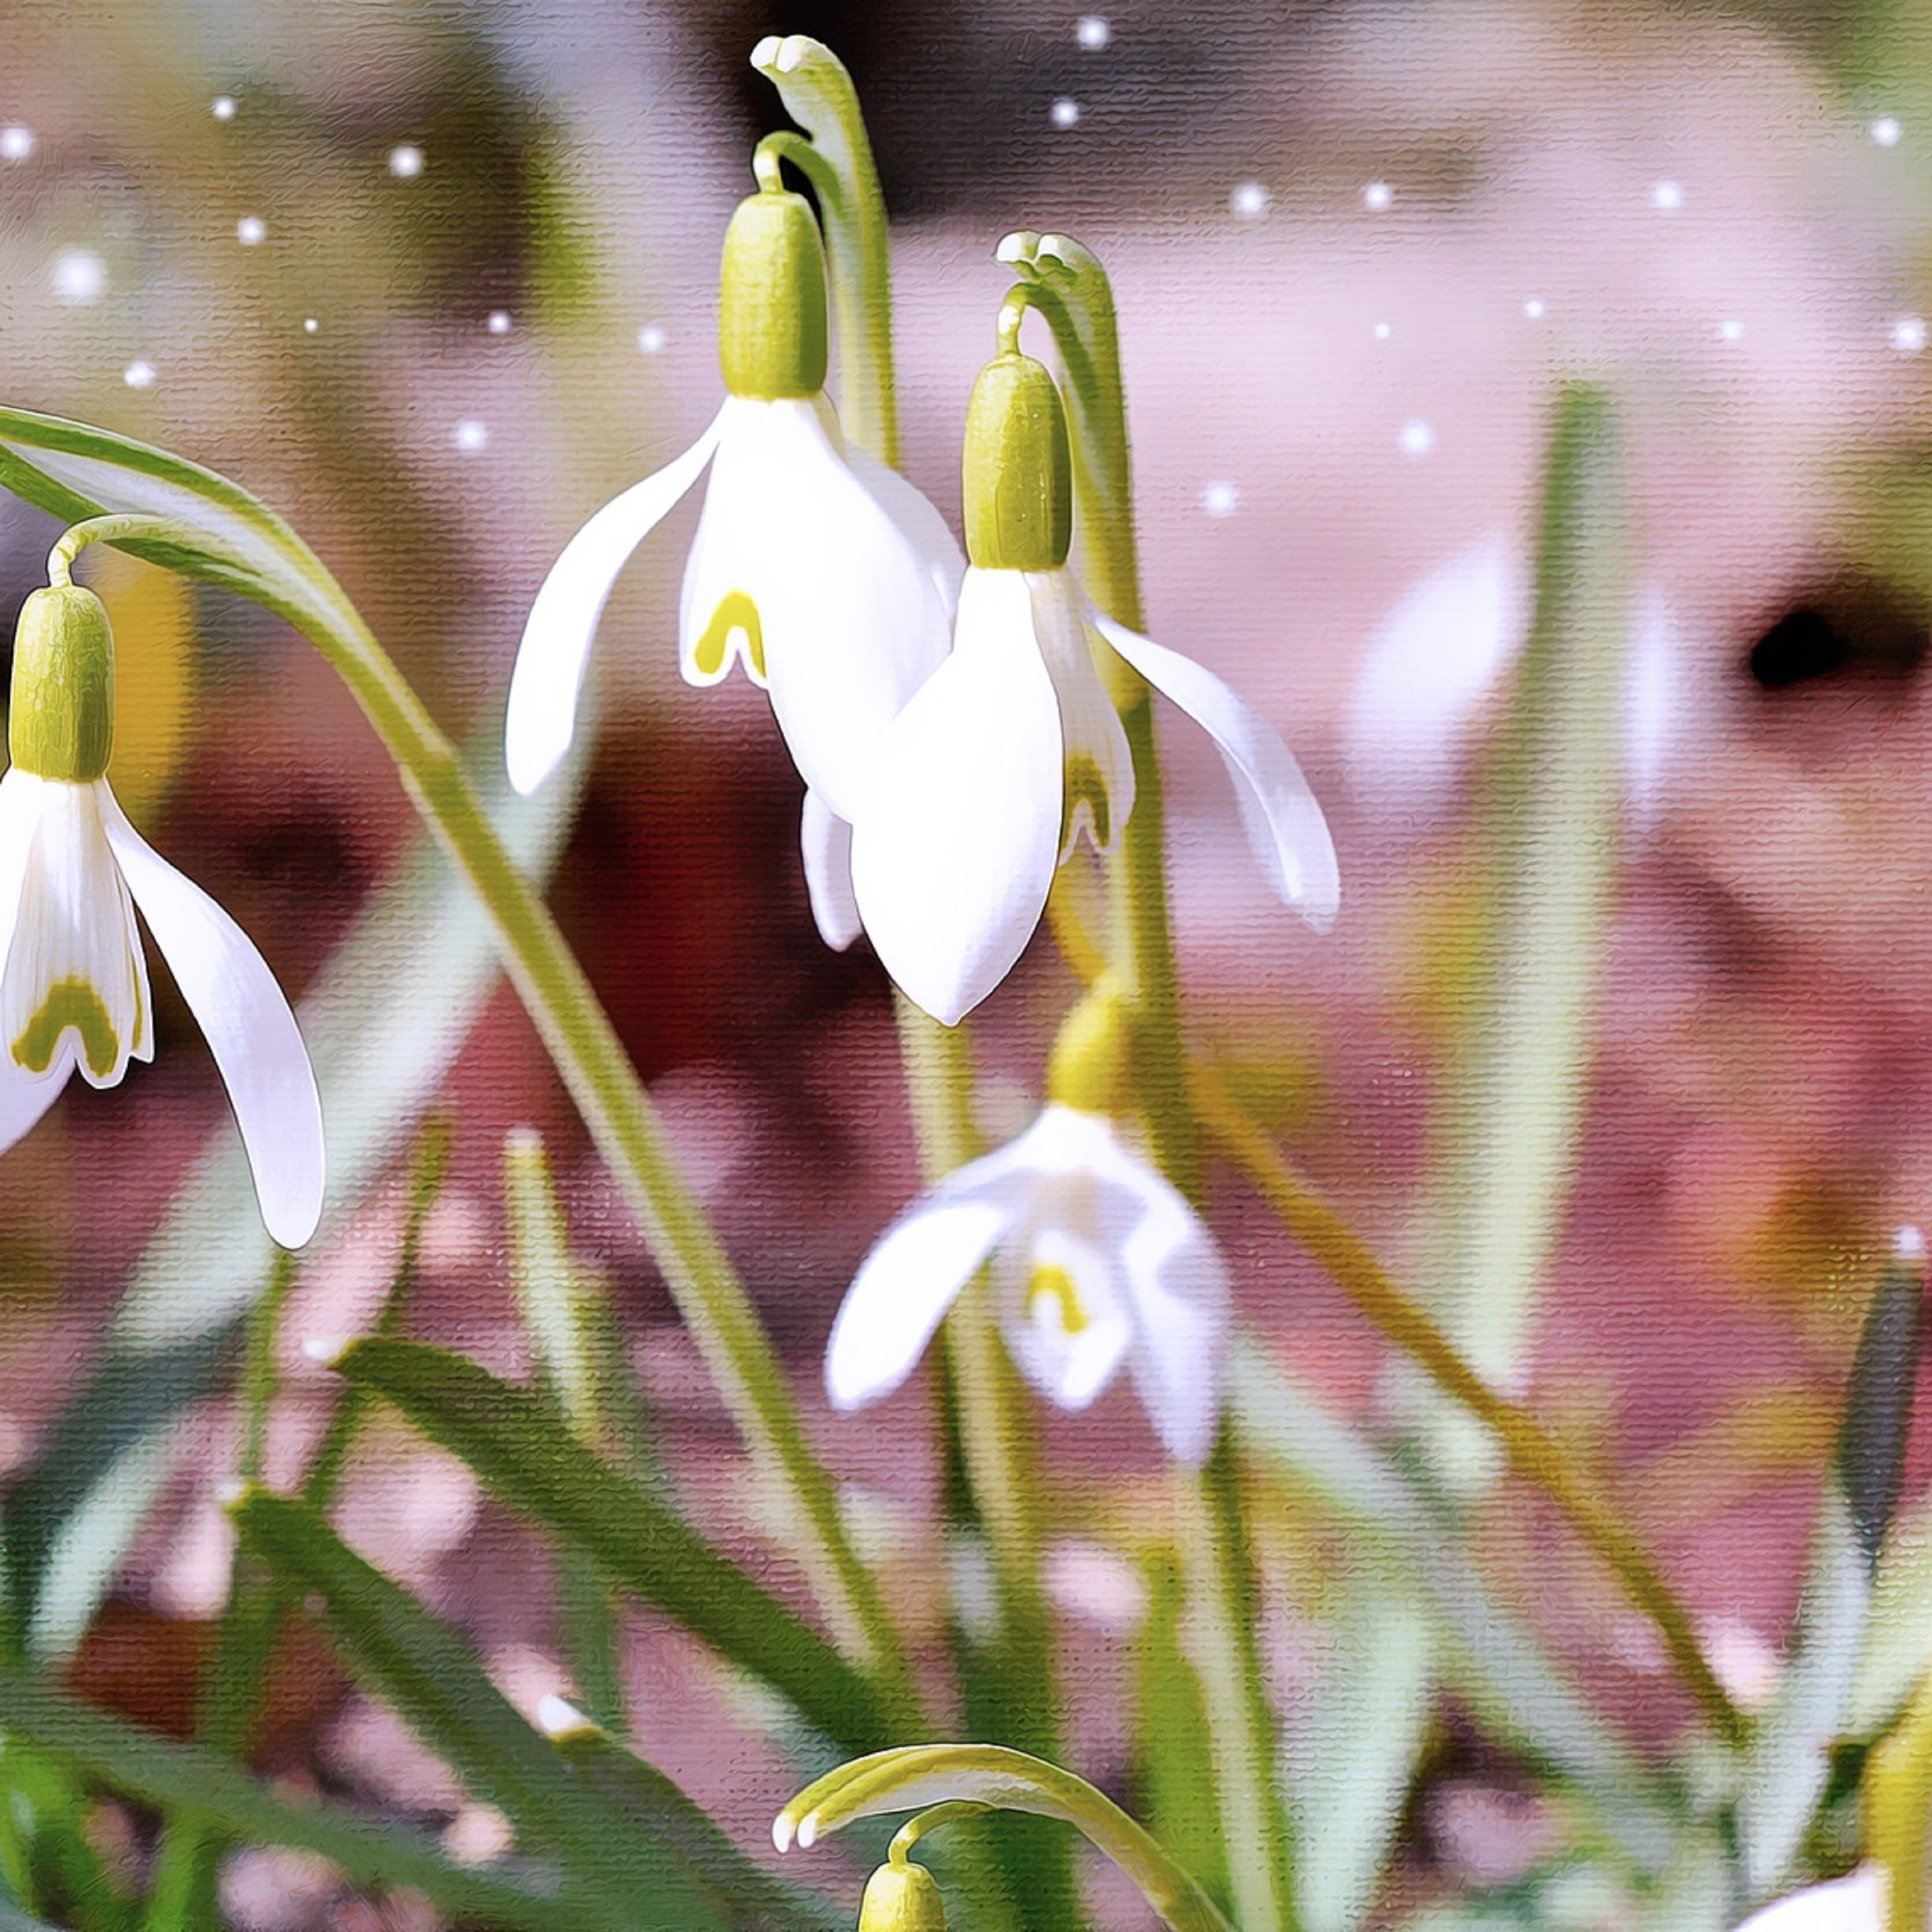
column 604, row 1085
column 1067, row 283
column 1900, row 1833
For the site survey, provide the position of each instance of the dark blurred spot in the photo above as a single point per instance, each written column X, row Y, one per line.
column 1846, row 630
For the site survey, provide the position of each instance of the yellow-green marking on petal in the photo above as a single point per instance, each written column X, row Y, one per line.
column 70, row 1003
column 1051, row 1293
column 735, row 612
column 1085, row 785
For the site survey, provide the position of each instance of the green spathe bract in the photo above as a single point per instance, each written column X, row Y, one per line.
column 60, row 722
column 1016, row 476
column 771, row 299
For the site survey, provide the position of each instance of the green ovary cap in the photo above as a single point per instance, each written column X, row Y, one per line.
column 771, row 298
column 60, row 720
column 902, row 1898
column 1091, row 1066
column 1017, row 475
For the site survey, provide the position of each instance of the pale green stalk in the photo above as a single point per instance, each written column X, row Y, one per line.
column 1898, row 1832
column 587, row 1054
column 1068, row 285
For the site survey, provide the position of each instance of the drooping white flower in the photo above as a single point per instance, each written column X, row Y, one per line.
column 1012, row 750
column 1096, row 1260
column 1447, row 644
column 1853, row 1904
column 73, row 979
column 822, row 572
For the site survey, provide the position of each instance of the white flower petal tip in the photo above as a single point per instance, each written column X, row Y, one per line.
column 1096, row 1260
column 1854, row 1903
column 250, row 1029
column 325, row 1351
column 1285, row 825
column 551, row 658
column 783, row 53
column 559, row 1718
column 825, row 842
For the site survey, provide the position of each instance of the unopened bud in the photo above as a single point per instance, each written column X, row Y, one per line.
column 902, row 1898
column 1017, row 473
column 771, row 298
column 60, row 720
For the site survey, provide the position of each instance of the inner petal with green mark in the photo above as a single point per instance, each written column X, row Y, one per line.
column 1085, row 804
column 69, row 1003
column 736, row 614
column 1053, row 1301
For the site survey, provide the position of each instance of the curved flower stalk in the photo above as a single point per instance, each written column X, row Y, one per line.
column 1097, row 1261
column 73, row 980
column 1012, row 751
column 1453, row 636
column 822, row 572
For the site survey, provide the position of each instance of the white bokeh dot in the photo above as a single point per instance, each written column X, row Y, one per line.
column 1908, row 334
column 1533, row 309
column 1416, row 438
column 498, row 322
column 1065, row 113
column 1886, row 130
column 470, row 436
column 1093, row 33
column 223, row 107
column 651, row 338
column 406, row 161
column 1377, row 196
column 16, row 143
column 1666, row 195
column 1249, row 201
column 1220, row 500
column 139, row 374
column 251, row 231
column 1382, row 331
column 79, row 276
column 310, row 325
column 1730, row 331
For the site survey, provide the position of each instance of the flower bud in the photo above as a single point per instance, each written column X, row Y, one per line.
column 1091, row 1066
column 1017, row 473
column 771, row 298
column 60, row 720
column 902, row 1898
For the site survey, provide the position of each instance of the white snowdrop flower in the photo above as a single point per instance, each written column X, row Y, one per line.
column 73, row 978
column 824, row 573
column 1012, row 750
column 79, row 276
column 1097, row 1261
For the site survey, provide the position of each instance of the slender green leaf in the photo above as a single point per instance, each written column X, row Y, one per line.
column 1174, row 1750
column 529, row 1461
column 428, row 1672
column 1790, row 1763
column 184, row 1779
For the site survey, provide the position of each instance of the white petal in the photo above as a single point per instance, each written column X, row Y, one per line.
column 1656, row 703
column 902, row 1291
column 23, row 1101
column 954, row 851
column 1070, row 1361
column 1429, row 666
column 919, row 523
column 1854, row 1903
column 1285, row 824
column 556, row 646
column 825, row 840
column 249, row 1027
column 74, row 989
column 1096, row 759
column 851, row 617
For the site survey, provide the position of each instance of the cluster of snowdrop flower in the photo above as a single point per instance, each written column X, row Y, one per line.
column 952, row 721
